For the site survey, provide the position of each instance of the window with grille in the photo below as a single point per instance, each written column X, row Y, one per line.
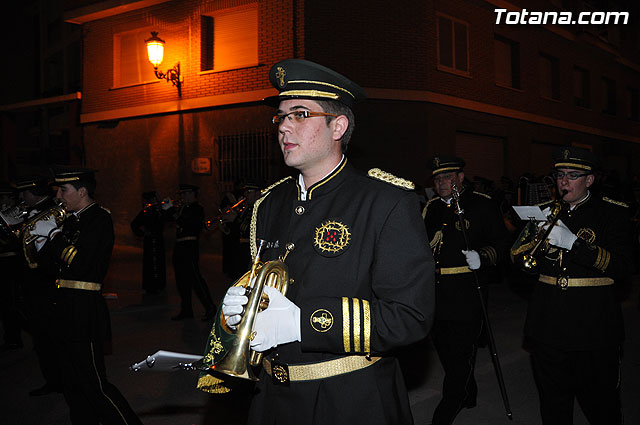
column 453, row 45
column 130, row 61
column 248, row 157
column 229, row 39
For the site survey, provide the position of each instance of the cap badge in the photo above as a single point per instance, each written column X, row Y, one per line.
column 436, row 161
column 321, row 320
column 565, row 154
column 280, row 75
column 331, row 238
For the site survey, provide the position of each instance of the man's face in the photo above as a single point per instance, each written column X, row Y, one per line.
column 576, row 189
column 308, row 144
column 29, row 198
column 71, row 197
column 442, row 183
column 188, row 196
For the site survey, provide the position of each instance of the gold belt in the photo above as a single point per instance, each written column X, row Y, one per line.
column 320, row 370
column 453, row 270
column 564, row 282
column 77, row 284
column 187, row 238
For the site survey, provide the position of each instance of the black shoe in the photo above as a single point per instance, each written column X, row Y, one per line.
column 44, row 390
column 182, row 315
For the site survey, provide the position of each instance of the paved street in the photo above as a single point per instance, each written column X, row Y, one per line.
column 141, row 326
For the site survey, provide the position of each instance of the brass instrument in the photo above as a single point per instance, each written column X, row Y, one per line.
column 12, row 218
column 533, row 240
column 58, row 213
column 238, row 208
column 239, row 357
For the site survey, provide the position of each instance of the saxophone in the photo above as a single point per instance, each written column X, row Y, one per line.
column 57, row 212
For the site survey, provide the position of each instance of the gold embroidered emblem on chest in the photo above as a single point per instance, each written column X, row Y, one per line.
column 332, row 236
column 587, row 234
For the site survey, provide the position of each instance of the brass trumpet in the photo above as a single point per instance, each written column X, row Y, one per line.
column 237, row 357
column 533, row 241
column 57, row 212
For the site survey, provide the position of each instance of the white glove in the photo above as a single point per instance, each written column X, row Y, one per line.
column 166, row 204
column 39, row 243
column 561, row 236
column 473, row 259
column 44, row 227
column 233, row 304
column 277, row 324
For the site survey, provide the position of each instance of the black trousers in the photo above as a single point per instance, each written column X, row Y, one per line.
column 186, row 257
column 91, row 398
column 457, row 344
column 12, row 321
column 591, row 377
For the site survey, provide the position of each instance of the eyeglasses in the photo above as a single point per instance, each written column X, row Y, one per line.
column 299, row 116
column 572, row 175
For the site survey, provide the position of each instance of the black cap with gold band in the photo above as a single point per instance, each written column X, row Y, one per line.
column 445, row 164
column 573, row 157
column 302, row 79
column 65, row 175
column 34, row 183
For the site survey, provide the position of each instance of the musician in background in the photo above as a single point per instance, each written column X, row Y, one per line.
column 459, row 319
column 11, row 270
column 235, row 225
column 574, row 320
column 79, row 251
column 189, row 218
column 363, row 275
column 38, row 286
column 149, row 224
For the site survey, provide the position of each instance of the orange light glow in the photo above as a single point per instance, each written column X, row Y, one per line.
column 155, row 49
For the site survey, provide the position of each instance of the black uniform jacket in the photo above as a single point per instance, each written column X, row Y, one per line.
column 584, row 318
column 81, row 252
column 363, row 279
column 189, row 219
column 456, row 294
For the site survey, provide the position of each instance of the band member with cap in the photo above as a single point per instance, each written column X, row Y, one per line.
column 80, row 251
column 459, row 254
column 149, row 224
column 574, row 320
column 38, row 284
column 11, row 270
column 189, row 218
column 362, row 271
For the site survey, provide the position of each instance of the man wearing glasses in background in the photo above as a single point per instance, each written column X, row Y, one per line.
column 363, row 274
column 574, row 320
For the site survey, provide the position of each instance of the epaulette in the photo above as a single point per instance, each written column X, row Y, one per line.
column 424, row 210
column 378, row 174
column 613, row 201
column 482, row 194
column 268, row 189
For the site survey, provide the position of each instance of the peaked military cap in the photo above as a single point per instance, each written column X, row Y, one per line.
column 572, row 157
column 33, row 182
column 63, row 175
column 149, row 195
column 184, row 187
column 445, row 164
column 302, row 79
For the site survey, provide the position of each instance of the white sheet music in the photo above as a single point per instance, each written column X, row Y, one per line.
column 526, row 212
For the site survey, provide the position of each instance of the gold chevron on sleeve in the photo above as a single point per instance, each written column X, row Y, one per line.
column 68, row 254
column 367, row 326
column 346, row 323
column 356, row 325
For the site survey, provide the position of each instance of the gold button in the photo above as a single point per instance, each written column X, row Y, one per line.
column 299, row 210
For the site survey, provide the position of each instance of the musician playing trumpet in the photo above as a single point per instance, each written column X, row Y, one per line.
column 362, row 271
column 574, row 321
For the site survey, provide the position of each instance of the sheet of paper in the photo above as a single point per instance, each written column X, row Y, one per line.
column 526, row 212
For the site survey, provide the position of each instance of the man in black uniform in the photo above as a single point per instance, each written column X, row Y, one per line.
column 38, row 285
column 80, row 251
column 189, row 218
column 9, row 310
column 363, row 274
column 149, row 224
column 574, row 320
column 459, row 318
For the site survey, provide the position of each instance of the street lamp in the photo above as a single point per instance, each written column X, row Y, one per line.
column 155, row 51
